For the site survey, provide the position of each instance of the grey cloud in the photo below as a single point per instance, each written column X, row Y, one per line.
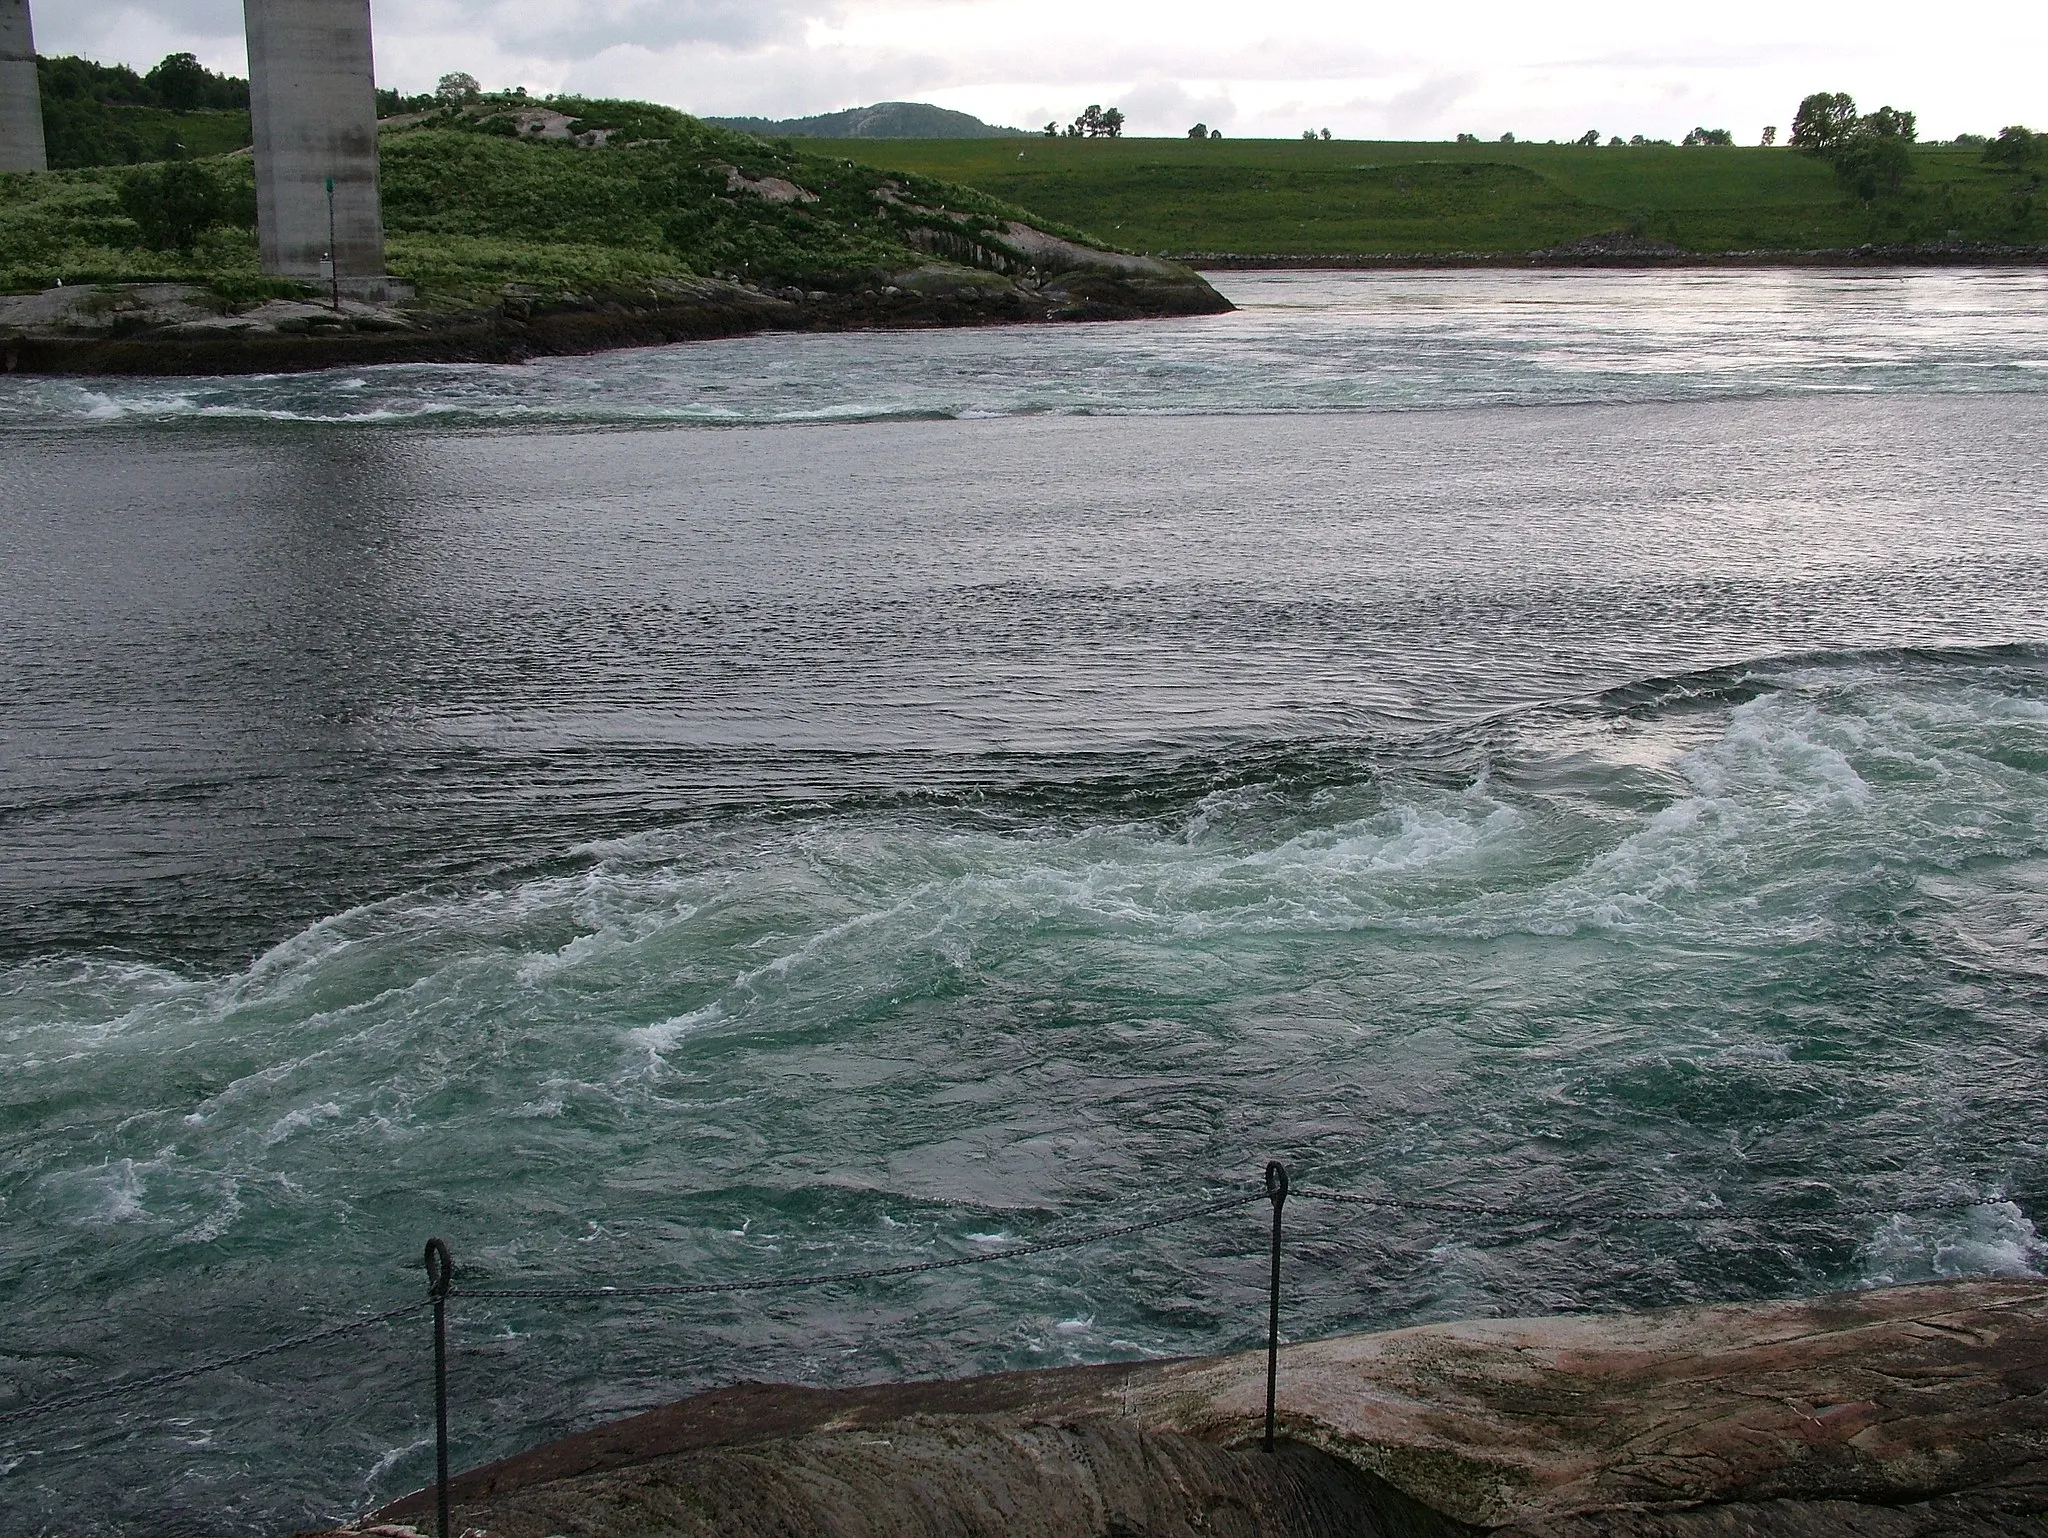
column 1423, row 105
column 575, row 31
column 1157, row 105
column 203, row 18
column 776, row 82
column 564, row 30
column 139, row 32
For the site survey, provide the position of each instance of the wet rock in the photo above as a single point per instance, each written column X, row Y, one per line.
column 1886, row 1396
column 185, row 328
column 1914, row 1412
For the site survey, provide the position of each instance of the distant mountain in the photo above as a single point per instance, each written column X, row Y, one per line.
column 884, row 120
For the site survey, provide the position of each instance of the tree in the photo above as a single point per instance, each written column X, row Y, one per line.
column 1215, row 133
column 1052, row 130
column 1094, row 123
column 1617, row 143
column 1824, row 120
column 1770, row 136
column 1875, row 155
column 173, row 204
column 1308, row 134
column 1871, row 153
column 1199, row 131
column 1704, row 137
column 2013, row 147
column 457, row 86
column 1507, row 138
column 1468, row 138
column 180, row 82
column 1590, row 139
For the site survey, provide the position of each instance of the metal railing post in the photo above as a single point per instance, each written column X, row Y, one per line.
column 440, row 1277
column 1276, row 1192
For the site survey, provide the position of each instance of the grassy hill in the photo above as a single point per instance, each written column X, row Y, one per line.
column 577, row 196
column 884, row 120
column 566, row 196
column 1292, row 197
column 106, row 114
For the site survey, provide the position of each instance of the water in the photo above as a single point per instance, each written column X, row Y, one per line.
column 1577, row 740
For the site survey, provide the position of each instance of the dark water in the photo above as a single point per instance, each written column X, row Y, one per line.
column 1579, row 741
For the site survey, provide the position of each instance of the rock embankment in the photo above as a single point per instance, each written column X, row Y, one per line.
column 1913, row 1412
column 184, row 328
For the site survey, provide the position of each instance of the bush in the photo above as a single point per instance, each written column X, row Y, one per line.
column 174, row 204
column 1875, row 155
column 2013, row 147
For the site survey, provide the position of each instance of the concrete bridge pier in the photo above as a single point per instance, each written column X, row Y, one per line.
column 313, row 111
column 21, row 100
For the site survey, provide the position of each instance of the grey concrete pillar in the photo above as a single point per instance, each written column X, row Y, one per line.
column 313, row 110
column 21, row 101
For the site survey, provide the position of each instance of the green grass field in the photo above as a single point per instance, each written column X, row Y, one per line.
column 469, row 207
column 1291, row 197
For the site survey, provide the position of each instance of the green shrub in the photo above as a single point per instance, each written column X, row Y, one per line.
column 2013, row 147
column 173, row 204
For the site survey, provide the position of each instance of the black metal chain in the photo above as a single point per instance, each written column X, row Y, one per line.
column 1638, row 1214
column 872, row 1273
column 159, row 1380
column 442, row 1288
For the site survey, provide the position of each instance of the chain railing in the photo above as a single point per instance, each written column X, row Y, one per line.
column 1275, row 1189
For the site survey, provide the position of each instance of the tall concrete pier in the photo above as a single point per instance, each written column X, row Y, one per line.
column 313, row 110
column 21, row 102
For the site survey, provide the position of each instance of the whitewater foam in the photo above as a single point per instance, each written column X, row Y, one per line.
column 1300, row 342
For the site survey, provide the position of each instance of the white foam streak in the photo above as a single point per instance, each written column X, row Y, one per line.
column 1300, row 342
column 1996, row 1239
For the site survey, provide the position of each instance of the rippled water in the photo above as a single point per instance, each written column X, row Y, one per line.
column 1312, row 342
column 647, row 852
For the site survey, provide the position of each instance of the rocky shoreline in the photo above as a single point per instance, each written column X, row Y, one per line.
column 177, row 328
column 186, row 329
column 1909, row 1412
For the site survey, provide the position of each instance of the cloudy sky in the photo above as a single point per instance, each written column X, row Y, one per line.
column 1539, row 70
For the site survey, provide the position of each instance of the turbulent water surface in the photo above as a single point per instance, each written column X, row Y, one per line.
column 1567, row 742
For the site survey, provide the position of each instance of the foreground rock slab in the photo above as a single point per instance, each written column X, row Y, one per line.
column 1911, row 1412
column 187, row 329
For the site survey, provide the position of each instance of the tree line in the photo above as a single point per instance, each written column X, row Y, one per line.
column 1095, row 122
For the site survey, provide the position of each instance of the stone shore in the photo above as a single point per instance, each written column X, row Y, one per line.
column 1908, row 1412
column 186, row 329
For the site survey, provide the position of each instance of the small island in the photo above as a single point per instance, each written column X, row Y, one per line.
column 520, row 228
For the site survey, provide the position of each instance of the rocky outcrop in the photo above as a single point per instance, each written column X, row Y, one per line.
column 1882, row 1398
column 185, row 328
column 1914, row 1412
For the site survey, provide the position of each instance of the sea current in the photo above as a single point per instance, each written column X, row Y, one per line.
column 1556, row 741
